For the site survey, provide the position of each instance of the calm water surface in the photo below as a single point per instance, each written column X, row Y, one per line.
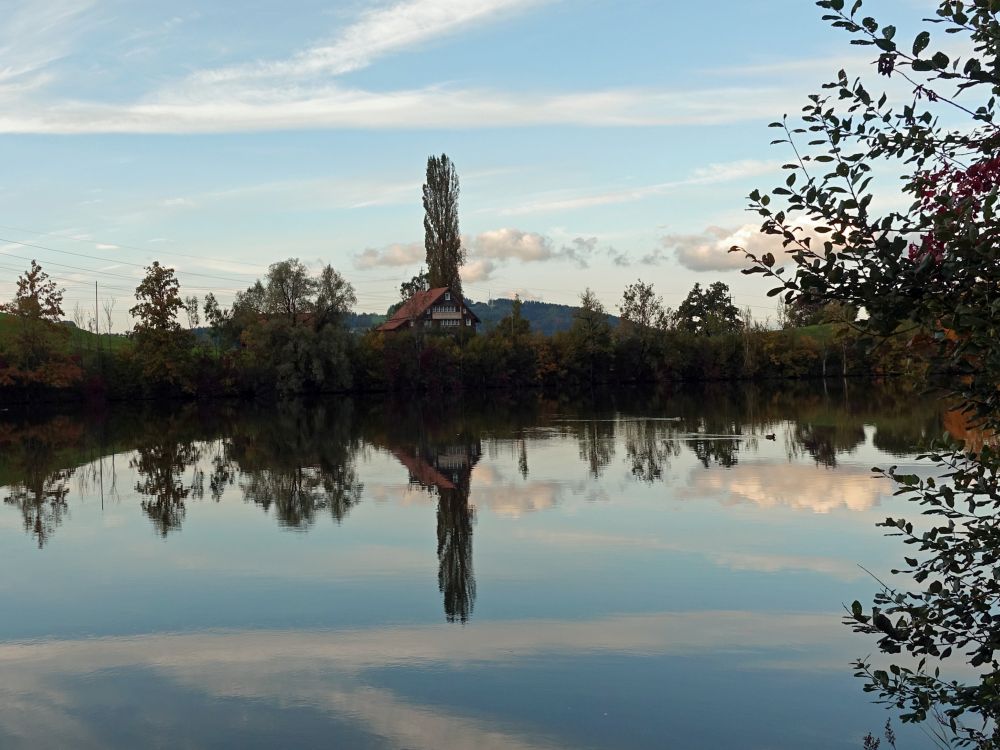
column 638, row 572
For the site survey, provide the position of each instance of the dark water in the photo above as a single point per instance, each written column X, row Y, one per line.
column 635, row 572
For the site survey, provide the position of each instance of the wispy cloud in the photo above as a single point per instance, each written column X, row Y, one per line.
column 277, row 107
column 376, row 33
column 709, row 175
column 33, row 36
column 306, row 90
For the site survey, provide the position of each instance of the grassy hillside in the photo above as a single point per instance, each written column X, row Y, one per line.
column 77, row 340
column 822, row 333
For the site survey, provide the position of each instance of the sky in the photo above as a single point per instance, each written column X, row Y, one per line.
column 597, row 141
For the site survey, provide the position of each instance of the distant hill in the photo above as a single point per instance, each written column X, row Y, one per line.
column 545, row 317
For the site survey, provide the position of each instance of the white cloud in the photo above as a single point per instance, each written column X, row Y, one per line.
column 709, row 250
column 477, row 270
column 392, row 256
column 512, row 243
column 486, row 252
column 528, row 247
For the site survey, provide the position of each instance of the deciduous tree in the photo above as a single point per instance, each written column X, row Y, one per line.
column 708, row 312
column 418, row 283
column 930, row 267
column 160, row 345
column 37, row 305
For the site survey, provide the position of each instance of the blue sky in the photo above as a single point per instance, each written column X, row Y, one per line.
column 597, row 141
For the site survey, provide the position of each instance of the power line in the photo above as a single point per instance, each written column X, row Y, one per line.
column 121, row 244
column 114, row 260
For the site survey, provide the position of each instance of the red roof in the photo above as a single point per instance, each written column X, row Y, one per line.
column 416, row 306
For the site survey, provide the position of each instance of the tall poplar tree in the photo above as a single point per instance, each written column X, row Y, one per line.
column 445, row 254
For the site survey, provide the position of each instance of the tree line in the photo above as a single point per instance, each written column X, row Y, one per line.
column 286, row 334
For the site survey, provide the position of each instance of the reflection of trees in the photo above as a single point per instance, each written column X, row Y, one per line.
column 299, row 494
column 649, row 446
column 716, row 440
column 596, row 440
column 825, row 442
column 42, row 502
column 160, row 467
column 721, row 450
column 34, row 462
column 299, row 461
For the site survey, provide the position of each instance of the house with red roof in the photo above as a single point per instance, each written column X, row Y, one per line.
column 433, row 308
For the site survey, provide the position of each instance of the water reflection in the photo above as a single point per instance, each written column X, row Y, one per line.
column 636, row 556
column 299, row 461
column 338, row 674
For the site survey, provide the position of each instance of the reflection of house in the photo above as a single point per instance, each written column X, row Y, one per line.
column 434, row 308
column 446, row 467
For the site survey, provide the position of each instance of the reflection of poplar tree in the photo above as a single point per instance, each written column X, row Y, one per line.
column 456, row 579
column 160, row 467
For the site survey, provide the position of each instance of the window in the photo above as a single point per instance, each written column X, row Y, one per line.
column 468, row 321
column 447, row 295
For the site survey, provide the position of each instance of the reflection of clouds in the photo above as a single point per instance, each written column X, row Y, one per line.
column 761, row 562
column 767, row 563
column 326, row 669
column 490, row 490
column 328, row 564
column 353, row 651
column 790, row 485
column 512, row 498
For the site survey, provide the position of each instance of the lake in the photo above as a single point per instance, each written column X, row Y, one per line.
column 637, row 571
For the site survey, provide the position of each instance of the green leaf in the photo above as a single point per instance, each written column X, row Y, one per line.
column 921, row 42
